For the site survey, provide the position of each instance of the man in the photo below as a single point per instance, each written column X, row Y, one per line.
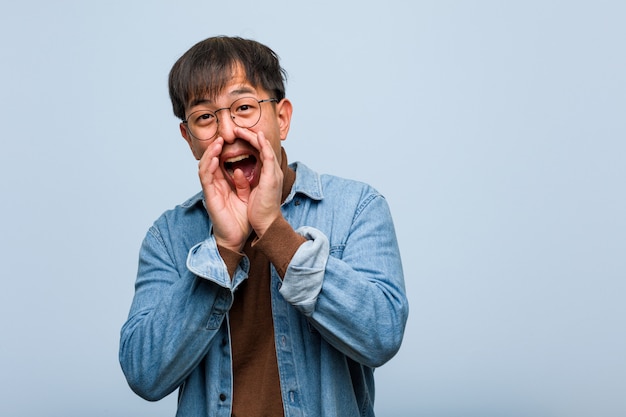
column 274, row 291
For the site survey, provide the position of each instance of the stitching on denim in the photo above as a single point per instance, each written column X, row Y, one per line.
column 365, row 203
column 156, row 234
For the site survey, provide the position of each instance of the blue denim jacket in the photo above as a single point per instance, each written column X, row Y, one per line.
column 339, row 312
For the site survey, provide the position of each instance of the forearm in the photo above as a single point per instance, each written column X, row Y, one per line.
column 362, row 315
column 174, row 317
column 279, row 244
column 160, row 346
column 355, row 295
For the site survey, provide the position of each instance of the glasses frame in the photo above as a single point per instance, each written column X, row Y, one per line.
column 217, row 119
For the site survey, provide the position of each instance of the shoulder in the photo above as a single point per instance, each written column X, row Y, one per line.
column 185, row 219
column 318, row 185
column 333, row 190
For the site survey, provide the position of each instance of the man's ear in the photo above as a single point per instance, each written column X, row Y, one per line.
column 185, row 134
column 283, row 112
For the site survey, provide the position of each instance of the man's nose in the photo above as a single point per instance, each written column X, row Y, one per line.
column 226, row 126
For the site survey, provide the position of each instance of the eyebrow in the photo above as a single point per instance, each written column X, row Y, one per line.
column 236, row 92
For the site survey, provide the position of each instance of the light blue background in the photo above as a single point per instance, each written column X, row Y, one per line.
column 496, row 129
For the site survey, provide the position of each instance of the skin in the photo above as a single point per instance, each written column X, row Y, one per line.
column 238, row 205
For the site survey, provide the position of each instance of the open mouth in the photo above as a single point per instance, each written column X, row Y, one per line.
column 245, row 163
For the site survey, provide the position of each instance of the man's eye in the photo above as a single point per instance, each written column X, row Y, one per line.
column 204, row 118
column 245, row 109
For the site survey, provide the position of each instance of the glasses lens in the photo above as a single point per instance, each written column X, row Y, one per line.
column 202, row 124
column 245, row 112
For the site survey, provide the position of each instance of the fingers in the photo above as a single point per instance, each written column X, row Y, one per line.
column 242, row 186
column 249, row 136
column 212, row 151
column 270, row 165
column 259, row 142
column 208, row 167
column 264, row 147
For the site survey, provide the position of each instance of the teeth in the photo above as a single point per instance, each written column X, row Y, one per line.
column 236, row 159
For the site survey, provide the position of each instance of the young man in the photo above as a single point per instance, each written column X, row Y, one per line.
column 274, row 291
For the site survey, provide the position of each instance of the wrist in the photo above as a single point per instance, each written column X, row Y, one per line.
column 279, row 244
column 230, row 244
column 262, row 227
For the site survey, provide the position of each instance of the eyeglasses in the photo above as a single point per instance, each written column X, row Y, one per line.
column 244, row 112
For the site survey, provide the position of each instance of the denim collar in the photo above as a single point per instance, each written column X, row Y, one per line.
column 307, row 182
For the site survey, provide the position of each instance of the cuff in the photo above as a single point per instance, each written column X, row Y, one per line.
column 231, row 259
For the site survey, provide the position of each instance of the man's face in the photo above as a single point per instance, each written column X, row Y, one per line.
column 237, row 152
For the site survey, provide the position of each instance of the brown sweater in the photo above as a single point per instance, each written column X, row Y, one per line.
column 256, row 386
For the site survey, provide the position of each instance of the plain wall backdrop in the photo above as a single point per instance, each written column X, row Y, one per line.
column 495, row 129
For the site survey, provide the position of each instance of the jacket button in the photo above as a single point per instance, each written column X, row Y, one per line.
column 222, row 397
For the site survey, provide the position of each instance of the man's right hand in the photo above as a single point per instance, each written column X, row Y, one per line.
column 228, row 212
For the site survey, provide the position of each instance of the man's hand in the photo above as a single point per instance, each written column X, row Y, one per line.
column 264, row 200
column 228, row 212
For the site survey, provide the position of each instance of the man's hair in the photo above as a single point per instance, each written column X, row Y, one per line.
column 206, row 68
